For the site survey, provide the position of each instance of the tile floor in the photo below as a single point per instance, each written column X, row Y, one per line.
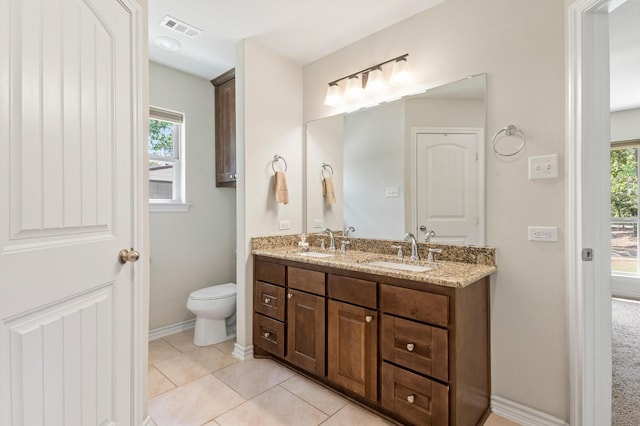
column 191, row 385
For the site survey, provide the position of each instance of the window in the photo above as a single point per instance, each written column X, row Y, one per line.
column 624, row 208
column 166, row 163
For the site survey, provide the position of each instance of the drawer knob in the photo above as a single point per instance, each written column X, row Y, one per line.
column 267, row 334
column 289, row 295
column 410, row 399
column 267, row 300
column 410, row 347
column 368, row 318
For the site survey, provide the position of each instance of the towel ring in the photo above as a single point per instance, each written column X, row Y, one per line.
column 510, row 130
column 277, row 158
column 326, row 166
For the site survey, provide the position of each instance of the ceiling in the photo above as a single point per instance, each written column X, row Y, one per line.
column 302, row 31
column 305, row 31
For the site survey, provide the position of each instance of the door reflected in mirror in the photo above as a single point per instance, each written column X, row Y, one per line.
column 412, row 165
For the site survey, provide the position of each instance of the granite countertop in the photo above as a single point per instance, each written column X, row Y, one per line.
column 445, row 273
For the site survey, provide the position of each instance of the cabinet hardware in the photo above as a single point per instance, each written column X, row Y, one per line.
column 410, row 347
column 267, row 334
column 289, row 295
column 368, row 318
column 267, row 300
column 410, row 399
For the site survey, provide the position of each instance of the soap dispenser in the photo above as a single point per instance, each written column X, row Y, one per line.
column 303, row 244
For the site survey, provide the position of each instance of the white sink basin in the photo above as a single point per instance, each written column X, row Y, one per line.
column 315, row 254
column 400, row 266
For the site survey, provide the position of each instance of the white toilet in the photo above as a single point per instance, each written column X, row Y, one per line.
column 214, row 308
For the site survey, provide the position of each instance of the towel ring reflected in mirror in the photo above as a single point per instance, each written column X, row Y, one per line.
column 276, row 159
column 510, row 130
column 328, row 169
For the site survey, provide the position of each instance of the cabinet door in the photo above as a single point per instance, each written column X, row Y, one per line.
column 352, row 355
column 306, row 331
column 225, row 104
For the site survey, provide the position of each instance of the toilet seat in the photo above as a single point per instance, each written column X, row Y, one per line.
column 214, row 292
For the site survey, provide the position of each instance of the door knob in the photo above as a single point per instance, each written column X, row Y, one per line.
column 125, row 256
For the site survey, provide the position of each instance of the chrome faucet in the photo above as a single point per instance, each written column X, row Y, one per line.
column 414, row 245
column 332, row 241
column 349, row 229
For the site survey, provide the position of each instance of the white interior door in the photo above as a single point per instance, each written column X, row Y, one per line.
column 68, row 132
column 447, row 186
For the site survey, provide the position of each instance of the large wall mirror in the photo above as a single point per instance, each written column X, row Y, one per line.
column 412, row 165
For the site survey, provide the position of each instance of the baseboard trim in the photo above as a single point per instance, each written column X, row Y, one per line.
column 167, row 330
column 522, row 414
column 243, row 353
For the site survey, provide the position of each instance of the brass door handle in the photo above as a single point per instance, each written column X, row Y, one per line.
column 125, row 256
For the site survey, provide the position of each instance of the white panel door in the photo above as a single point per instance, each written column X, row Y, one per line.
column 69, row 185
column 446, row 187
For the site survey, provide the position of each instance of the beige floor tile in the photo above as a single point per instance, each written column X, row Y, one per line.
column 151, row 422
column 193, row 404
column 352, row 415
column 211, row 423
column 160, row 350
column 226, row 346
column 316, row 395
column 188, row 366
column 157, row 382
column 495, row 420
column 254, row 376
column 182, row 341
column 275, row 407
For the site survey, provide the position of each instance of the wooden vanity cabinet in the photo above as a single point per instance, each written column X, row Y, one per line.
column 352, row 331
column 306, row 319
column 269, row 307
column 416, row 352
column 225, row 128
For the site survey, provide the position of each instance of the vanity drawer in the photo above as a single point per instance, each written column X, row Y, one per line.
column 352, row 290
column 268, row 334
column 414, row 304
column 306, row 280
column 269, row 300
column 414, row 398
column 269, row 272
column 414, row 345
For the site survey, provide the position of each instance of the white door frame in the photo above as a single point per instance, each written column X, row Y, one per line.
column 589, row 283
column 480, row 174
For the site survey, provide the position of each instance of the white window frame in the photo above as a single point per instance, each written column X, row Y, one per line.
column 177, row 203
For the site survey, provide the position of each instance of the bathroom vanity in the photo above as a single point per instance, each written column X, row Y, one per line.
column 413, row 346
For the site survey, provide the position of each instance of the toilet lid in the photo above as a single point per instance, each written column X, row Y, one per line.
column 214, row 292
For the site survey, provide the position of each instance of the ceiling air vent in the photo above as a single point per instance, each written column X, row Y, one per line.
column 181, row 27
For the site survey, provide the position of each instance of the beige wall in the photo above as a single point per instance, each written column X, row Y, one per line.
column 269, row 99
column 520, row 45
column 194, row 249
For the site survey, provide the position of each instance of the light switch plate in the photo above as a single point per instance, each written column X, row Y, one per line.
column 543, row 167
column 543, row 233
column 391, row 192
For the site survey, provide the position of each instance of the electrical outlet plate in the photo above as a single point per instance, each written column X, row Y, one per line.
column 391, row 192
column 543, row 167
column 543, row 233
column 285, row 224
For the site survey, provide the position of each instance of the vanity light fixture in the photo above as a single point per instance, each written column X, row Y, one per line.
column 369, row 81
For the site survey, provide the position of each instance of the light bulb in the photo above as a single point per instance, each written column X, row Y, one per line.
column 400, row 75
column 353, row 90
column 334, row 97
column 375, row 81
